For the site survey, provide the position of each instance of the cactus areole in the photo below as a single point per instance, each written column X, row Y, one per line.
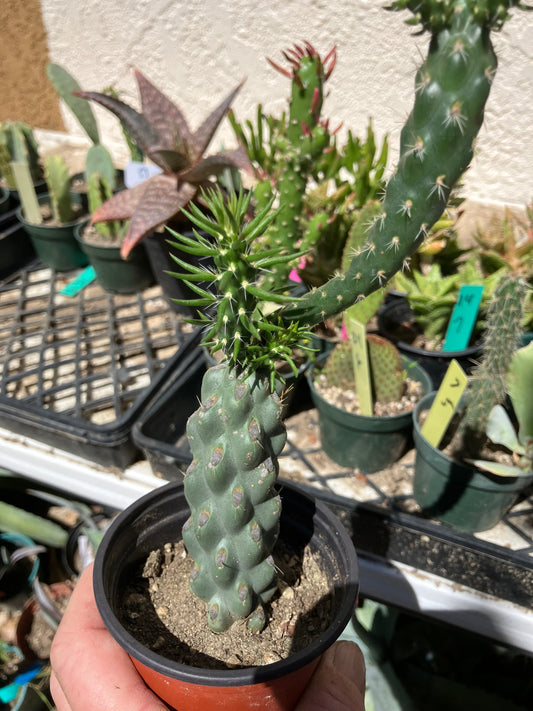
column 237, row 434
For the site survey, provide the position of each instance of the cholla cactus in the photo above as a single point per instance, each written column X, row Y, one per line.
column 163, row 134
column 502, row 334
column 237, row 433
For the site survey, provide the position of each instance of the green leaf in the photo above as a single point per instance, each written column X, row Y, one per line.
column 65, row 84
column 520, row 387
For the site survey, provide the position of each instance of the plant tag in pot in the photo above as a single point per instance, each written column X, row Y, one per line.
column 357, row 334
column 463, row 318
column 136, row 172
column 445, row 403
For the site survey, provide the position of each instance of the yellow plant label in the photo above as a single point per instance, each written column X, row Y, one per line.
column 357, row 334
column 445, row 403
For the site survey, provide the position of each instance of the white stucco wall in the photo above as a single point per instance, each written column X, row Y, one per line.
column 197, row 50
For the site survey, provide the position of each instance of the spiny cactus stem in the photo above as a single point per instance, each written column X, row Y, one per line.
column 436, row 147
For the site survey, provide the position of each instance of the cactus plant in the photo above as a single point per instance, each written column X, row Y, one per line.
column 163, row 134
column 58, row 181
column 436, row 146
column 292, row 152
column 488, row 386
column 501, row 430
column 237, row 433
column 18, row 144
column 386, row 369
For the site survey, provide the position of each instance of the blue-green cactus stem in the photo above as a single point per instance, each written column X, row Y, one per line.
column 436, row 146
column 235, row 437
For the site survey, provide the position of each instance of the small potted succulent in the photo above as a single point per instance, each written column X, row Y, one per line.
column 163, row 135
column 231, row 521
column 19, row 145
column 482, row 464
column 102, row 243
column 51, row 219
column 352, row 437
column 418, row 321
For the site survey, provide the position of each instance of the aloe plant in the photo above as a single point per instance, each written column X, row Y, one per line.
column 237, row 433
column 163, row 134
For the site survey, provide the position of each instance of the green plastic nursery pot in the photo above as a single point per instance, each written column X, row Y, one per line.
column 456, row 493
column 117, row 275
column 364, row 442
column 157, row 518
column 55, row 245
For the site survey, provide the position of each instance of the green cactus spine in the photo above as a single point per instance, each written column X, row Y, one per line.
column 502, row 334
column 451, row 89
column 58, row 181
column 237, row 433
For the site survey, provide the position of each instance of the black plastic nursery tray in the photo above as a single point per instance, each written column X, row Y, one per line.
column 16, row 249
column 378, row 508
column 76, row 371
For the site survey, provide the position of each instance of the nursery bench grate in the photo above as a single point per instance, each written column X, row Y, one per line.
column 81, row 365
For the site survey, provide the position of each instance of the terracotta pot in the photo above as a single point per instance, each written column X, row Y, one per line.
column 157, row 518
column 55, row 590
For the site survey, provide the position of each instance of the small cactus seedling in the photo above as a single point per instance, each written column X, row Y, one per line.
column 98, row 191
column 501, row 430
column 162, row 133
column 386, row 369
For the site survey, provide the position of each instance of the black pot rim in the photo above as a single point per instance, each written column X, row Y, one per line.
column 481, row 477
column 422, row 352
column 230, row 677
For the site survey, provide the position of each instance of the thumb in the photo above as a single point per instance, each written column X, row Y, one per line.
column 338, row 683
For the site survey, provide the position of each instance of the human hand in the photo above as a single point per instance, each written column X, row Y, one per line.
column 91, row 672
